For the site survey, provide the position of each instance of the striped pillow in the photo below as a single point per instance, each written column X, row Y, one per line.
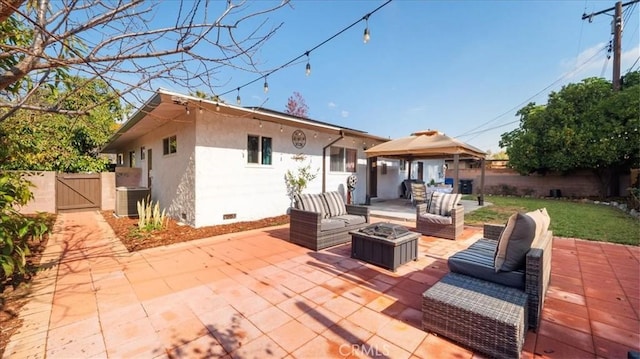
column 443, row 203
column 335, row 204
column 311, row 203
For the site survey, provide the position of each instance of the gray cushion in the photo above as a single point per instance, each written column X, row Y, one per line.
column 437, row 219
column 514, row 243
column 350, row 219
column 334, row 204
column 311, row 203
column 328, row 224
column 477, row 261
column 443, row 203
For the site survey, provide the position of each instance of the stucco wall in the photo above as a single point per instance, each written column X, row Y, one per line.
column 44, row 192
column 225, row 184
column 108, row 183
column 172, row 175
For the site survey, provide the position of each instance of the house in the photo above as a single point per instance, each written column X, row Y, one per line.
column 209, row 163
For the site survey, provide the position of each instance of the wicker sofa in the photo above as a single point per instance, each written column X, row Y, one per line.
column 438, row 223
column 322, row 220
column 486, row 310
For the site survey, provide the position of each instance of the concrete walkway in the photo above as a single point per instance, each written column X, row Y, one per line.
column 402, row 209
column 255, row 295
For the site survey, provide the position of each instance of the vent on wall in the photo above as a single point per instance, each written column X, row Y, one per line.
column 229, row 216
column 127, row 198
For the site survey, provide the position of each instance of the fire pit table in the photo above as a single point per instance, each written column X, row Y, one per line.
column 387, row 245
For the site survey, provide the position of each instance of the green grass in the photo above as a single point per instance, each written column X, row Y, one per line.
column 568, row 218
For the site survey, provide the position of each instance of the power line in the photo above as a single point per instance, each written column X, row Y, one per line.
column 474, row 132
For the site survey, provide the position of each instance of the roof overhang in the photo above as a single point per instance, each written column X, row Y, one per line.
column 165, row 106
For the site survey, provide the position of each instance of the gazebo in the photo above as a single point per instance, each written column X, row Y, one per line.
column 431, row 144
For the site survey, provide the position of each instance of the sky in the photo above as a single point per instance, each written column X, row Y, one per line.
column 461, row 67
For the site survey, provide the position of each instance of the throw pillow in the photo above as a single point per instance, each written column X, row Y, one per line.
column 443, row 203
column 311, row 203
column 335, row 204
column 514, row 243
column 541, row 217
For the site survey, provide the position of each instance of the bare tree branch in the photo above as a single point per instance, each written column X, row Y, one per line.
column 123, row 43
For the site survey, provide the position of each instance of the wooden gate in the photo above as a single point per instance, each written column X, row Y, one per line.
column 78, row 191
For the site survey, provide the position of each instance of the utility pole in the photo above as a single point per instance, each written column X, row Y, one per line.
column 617, row 37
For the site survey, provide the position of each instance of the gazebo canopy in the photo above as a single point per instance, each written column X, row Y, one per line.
column 425, row 144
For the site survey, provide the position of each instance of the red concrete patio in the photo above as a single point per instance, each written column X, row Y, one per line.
column 254, row 295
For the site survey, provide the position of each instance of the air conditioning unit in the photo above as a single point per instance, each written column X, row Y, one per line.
column 127, row 198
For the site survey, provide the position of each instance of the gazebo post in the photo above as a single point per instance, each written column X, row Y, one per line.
column 481, row 196
column 456, row 173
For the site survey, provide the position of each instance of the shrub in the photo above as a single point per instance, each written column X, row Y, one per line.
column 150, row 217
column 16, row 229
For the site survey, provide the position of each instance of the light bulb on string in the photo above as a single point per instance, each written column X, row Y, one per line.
column 238, row 101
column 367, row 35
column 266, row 85
column 200, row 107
column 187, row 108
column 307, row 70
column 217, row 106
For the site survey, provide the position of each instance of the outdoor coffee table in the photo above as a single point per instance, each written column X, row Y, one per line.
column 387, row 245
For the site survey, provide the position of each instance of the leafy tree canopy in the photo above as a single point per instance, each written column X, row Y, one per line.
column 34, row 140
column 585, row 125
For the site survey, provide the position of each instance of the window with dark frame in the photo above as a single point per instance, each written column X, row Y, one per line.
column 259, row 150
column 343, row 159
column 169, row 145
column 132, row 158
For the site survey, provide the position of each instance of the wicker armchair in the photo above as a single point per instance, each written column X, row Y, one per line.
column 433, row 226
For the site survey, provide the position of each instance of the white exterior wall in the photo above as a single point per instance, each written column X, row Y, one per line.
column 172, row 176
column 227, row 185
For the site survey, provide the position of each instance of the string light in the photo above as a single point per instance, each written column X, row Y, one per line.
column 281, row 129
column 200, row 107
column 217, row 106
column 266, row 85
column 367, row 35
column 187, row 108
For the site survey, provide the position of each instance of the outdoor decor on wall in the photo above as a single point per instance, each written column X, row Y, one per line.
column 299, row 139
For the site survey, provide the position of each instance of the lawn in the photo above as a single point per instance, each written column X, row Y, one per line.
column 573, row 219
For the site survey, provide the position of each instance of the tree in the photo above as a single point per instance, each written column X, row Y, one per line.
column 55, row 142
column 125, row 44
column 296, row 106
column 583, row 126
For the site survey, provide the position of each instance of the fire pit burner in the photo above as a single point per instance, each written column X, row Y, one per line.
column 385, row 230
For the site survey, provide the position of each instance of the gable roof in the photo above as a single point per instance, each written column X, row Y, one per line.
column 165, row 106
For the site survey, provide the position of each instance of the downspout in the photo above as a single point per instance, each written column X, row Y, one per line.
column 324, row 161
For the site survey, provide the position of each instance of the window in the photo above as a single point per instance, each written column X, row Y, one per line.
column 132, row 159
column 169, row 145
column 142, row 151
column 120, row 160
column 343, row 159
column 259, row 150
column 403, row 165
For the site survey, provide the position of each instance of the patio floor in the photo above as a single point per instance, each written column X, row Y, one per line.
column 255, row 295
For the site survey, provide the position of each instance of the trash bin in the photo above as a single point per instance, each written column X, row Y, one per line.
column 465, row 186
column 555, row 193
column 449, row 181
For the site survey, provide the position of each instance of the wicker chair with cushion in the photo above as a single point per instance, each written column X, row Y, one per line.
column 418, row 193
column 323, row 220
column 496, row 288
column 442, row 216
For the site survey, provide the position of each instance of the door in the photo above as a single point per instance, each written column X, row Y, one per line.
column 78, row 191
column 373, row 177
column 149, row 167
column 420, row 171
